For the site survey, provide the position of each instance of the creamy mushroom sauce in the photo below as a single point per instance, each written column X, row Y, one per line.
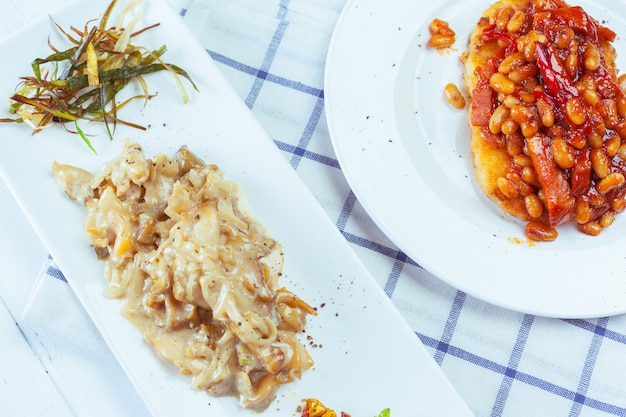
column 199, row 276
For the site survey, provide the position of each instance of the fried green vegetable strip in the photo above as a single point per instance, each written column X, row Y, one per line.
column 100, row 63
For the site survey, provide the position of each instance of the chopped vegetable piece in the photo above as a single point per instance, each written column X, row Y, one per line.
column 97, row 67
column 314, row 408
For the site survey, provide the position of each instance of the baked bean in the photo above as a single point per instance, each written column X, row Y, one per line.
column 571, row 64
column 527, row 97
column 506, row 187
column 521, row 114
column 545, row 113
column 523, row 160
column 611, row 181
column 591, row 58
column 575, row 111
column 541, row 195
column 540, row 232
column 527, row 43
column 585, row 82
column 503, row 16
column 516, row 22
column 509, row 126
column 440, row 40
column 595, row 140
column 620, row 128
column 578, row 141
column 619, row 204
column 607, row 219
column 534, row 206
column 510, row 62
column 611, row 117
column 499, row 116
column 563, row 153
column 591, row 97
column 599, row 162
column 612, row 144
column 529, row 128
column 563, row 37
column 529, row 175
column 591, row 228
column 501, row 84
column 621, row 81
column 441, row 35
column 529, row 52
column 600, row 129
column 621, row 105
column 523, row 73
column 438, row 26
column 521, row 186
column 510, row 101
column 583, row 211
column 454, row 96
column 622, row 152
column 514, row 144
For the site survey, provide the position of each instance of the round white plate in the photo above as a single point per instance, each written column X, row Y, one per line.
column 405, row 152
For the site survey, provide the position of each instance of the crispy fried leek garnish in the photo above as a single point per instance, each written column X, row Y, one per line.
column 81, row 83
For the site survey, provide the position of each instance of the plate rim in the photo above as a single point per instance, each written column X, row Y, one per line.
column 344, row 120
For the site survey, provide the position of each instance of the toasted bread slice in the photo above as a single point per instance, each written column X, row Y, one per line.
column 538, row 51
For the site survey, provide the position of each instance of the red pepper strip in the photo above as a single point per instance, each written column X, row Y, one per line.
column 493, row 33
column 559, row 199
column 574, row 17
column 555, row 77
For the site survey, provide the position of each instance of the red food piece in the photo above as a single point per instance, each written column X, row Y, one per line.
column 560, row 201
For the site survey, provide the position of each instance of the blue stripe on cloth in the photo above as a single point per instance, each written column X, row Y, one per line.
column 270, row 54
column 55, row 273
column 392, row 253
column 511, row 369
column 313, row 156
column 590, row 360
column 448, row 330
column 262, row 72
column 523, row 377
column 347, row 208
column 394, row 275
column 283, row 9
column 309, row 129
column 400, row 257
column 247, row 69
column 596, row 328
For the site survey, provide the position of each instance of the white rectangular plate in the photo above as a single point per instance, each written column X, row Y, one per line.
column 366, row 357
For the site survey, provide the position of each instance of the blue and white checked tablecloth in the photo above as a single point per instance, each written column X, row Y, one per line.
column 501, row 362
